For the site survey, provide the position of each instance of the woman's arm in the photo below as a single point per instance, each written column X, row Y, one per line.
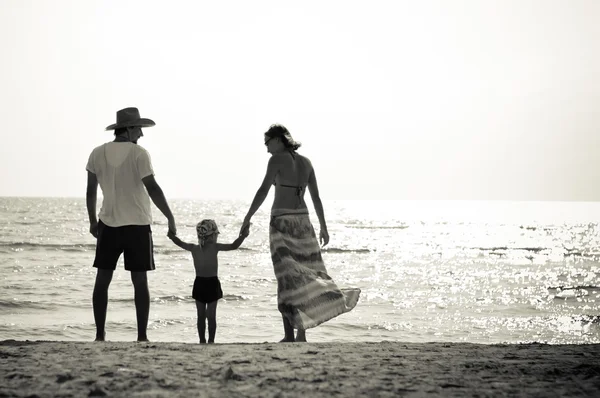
column 263, row 191
column 179, row 242
column 313, row 188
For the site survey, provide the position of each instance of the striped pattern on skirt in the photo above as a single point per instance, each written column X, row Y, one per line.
column 306, row 294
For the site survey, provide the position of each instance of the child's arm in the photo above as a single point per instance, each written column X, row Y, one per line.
column 236, row 243
column 179, row 242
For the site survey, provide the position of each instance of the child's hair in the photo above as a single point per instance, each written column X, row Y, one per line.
column 206, row 228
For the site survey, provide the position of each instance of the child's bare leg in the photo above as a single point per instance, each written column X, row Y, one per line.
column 211, row 315
column 301, row 335
column 201, row 307
column 288, row 329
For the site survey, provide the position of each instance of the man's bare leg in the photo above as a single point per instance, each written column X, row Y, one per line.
column 288, row 329
column 211, row 316
column 142, row 303
column 100, row 301
column 301, row 336
column 201, row 308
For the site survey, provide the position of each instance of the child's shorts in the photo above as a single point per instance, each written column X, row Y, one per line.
column 207, row 289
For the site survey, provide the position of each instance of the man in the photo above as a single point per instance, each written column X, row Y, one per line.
column 124, row 171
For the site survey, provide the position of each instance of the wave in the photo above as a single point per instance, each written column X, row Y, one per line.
column 159, row 249
column 337, row 250
column 236, row 297
column 530, row 228
column 81, row 247
column 571, row 292
column 10, row 305
column 492, row 249
column 562, row 287
column 261, row 280
column 181, row 299
column 580, row 253
column 377, row 226
column 498, row 250
column 49, row 246
column 154, row 300
column 84, row 247
column 326, row 250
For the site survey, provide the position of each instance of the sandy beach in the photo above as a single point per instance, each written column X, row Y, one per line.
column 126, row 369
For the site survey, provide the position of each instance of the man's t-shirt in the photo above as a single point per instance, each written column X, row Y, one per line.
column 120, row 167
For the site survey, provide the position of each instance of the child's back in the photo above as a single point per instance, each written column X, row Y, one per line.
column 206, row 260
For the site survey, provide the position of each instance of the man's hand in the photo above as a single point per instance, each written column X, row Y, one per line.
column 94, row 229
column 324, row 237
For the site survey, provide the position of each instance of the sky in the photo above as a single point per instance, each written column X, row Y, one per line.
column 433, row 99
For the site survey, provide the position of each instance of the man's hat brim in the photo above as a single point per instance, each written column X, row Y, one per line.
column 132, row 123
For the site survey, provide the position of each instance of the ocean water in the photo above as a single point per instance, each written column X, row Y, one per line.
column 481, row 272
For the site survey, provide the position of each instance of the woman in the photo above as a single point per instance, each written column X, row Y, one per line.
column 306, row 295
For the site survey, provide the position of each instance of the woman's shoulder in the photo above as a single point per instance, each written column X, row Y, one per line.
column 302, row 157
column 283, row 159
column 304, row 160
column 285, row 156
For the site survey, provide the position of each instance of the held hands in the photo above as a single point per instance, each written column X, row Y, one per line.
column 170, row 234
column 172, row 227
column 324, row 237
column 245, row 227
column 245, row 231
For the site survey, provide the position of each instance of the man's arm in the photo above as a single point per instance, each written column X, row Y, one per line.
column 91, row 196
column 158, row 198
column 180, row 243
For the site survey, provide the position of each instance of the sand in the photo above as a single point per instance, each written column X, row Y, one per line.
column 385, row 369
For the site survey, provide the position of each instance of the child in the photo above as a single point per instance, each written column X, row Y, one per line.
column 207, row 287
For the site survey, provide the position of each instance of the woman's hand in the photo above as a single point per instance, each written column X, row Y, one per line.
column 324, row 237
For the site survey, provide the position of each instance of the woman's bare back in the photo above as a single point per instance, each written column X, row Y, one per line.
column 291, row 180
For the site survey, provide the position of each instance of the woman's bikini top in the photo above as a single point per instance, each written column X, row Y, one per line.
column 299, row 191
column 299, row 188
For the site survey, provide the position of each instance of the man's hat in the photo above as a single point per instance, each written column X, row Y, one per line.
column 130, row 117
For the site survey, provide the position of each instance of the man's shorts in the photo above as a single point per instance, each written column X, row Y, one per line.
column 135, row 241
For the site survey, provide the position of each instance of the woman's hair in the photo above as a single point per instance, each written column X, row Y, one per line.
column 279, row 131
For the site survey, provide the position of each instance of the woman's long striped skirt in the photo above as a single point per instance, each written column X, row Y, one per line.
column 306, row 294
